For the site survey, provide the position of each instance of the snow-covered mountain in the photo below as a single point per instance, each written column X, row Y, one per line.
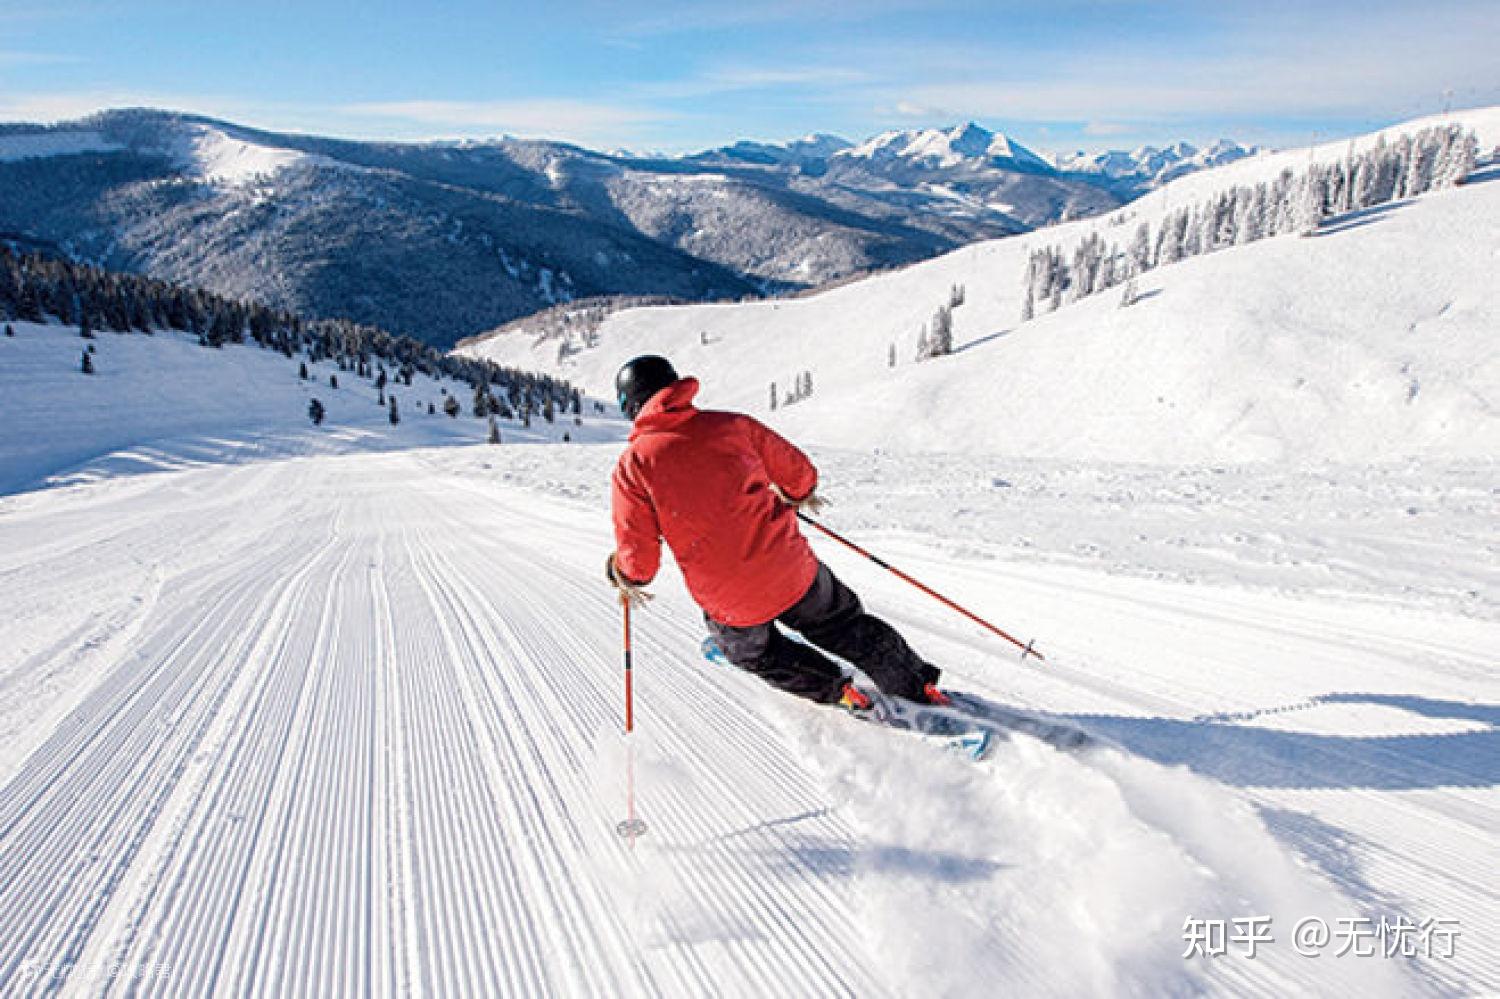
column 966, row 145
column 1329, row 348
column 810, row 150
column 1149, row 166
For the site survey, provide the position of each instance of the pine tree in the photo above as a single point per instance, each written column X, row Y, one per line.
column 333, row 381
column 84, row 329
column 940, row 342
column 395, row 415
column 1140, row 248
column 315, row 412
column 1309, row 204
column 494, row 431
column 548, row 413
column 88, row 363
column 451, row 407
column 481, row 399
column 302, row 371
column 1028, row 306
column 431, row 409
column 1128, row 295
column 10, row 330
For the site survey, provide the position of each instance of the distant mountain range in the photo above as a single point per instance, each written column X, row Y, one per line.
column 1149, row 167
column 441, row 240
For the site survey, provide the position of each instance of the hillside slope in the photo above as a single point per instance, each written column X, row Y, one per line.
column 161, row 402
column 1370, row 341
column 444, row 240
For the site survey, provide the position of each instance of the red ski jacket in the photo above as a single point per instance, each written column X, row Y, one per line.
column 702, row 480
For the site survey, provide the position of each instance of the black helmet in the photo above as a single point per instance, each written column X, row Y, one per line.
column 641, row 378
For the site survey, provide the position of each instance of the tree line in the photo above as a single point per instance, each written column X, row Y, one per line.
column 1436, row 157
column 37, row 288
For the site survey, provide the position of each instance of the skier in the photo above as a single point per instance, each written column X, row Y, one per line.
column 723, row 490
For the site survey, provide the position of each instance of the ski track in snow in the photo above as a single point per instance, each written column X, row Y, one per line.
column 350, row 726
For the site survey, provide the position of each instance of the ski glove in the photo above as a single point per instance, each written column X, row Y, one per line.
column 811, row 503
column 631, row 592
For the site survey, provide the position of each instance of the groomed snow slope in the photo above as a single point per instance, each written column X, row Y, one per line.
column 1372, row 341
column 348, row 723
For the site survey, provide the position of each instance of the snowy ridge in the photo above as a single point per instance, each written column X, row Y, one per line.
column 1153, row 165
column 219, row 158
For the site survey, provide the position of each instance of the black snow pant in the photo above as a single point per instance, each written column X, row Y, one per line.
column 829, row 616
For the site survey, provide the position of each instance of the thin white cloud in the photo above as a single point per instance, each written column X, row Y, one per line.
column 586, row 122
column 11, row 58
column 732, row 79
column 583, row 122
column 704, row 16
column 55, row 106
column 1392, row 62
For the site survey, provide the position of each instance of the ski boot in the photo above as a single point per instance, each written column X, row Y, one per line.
column 854, row 700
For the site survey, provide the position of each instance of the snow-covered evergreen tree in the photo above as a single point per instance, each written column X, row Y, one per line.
column 1140, row 248
column 938, row 342
column 1310, row 201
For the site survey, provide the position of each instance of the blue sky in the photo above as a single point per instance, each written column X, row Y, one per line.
column 1057, row 75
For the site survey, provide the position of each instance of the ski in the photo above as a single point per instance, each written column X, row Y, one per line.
column 970, row 725
column 966, row 736
column 950, row 729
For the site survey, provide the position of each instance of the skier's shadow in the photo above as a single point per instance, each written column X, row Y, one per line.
column 846, row 859
column 1232, row 749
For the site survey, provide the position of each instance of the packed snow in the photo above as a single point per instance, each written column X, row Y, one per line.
column 337, row 710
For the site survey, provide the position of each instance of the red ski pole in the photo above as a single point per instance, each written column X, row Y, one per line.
column 633, row 826
column 1026, row 647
